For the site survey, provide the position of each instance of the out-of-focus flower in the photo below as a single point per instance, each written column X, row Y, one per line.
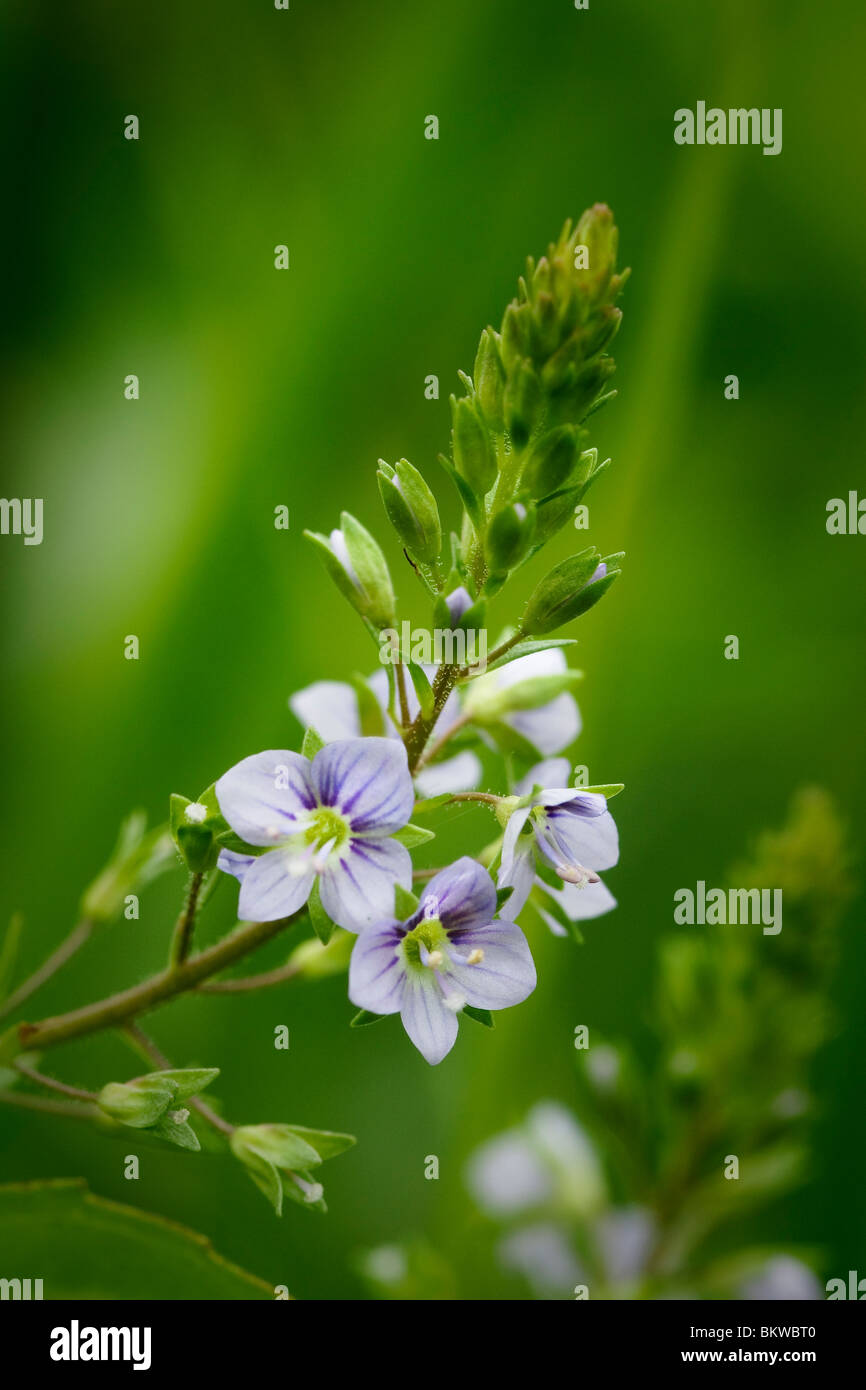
column 782, row 1277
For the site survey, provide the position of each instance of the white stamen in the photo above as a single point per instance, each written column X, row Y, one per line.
column 320, row 858
column 434, row 959
column 195, row 813
column 577, row 874
column 475, row 957
column 180, row 1117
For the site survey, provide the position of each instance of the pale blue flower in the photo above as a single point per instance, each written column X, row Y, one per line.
column 448, row 954
column 573, row 832
column 330, row 819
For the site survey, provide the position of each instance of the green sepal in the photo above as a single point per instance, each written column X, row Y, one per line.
column 363, row 1018
column 370, row 714
column 482, row 1016
column 606, row 789
column 413, row 835
column 423, row 688
column 294, row 1193
column 467, row 496
column 405, row 902
column 227, row 839
column 322, row 924
column 312, row 743
column 429, row 804
column 138, row 1104
column 265, row 1177
column 177, row 1132
column 189, row 1081
column 326, row 1142
column 502, row 896
column 526, row 648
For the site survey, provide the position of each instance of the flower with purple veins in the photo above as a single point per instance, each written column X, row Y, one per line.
column 450, row 953
column 330, row 819
column 573, row 833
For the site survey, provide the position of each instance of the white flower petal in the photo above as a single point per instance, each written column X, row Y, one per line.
column 270, row 890
column 267, row 797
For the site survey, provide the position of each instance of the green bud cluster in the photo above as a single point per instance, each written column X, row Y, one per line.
column 154, row 1102
column 519, row 457
column 279, row 1158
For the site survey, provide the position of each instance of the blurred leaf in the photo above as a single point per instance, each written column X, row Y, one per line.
column 85, row 1247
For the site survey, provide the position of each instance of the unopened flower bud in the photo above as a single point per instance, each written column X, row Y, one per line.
column 357, row 566
column 489, row 378
column 473, row 453
column 411, row 509
column 568, row 591
column 509, row 537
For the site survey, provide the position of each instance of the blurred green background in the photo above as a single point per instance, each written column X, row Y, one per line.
column 258, row 388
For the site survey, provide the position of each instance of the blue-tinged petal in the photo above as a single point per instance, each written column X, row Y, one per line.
column 357, row 885
column 267, row 797
column 367, row 780
column 577, row 803
column 520, row 879
column 551, row 727
column 458, row 774
column 270, row 890
column 377, row 969
column 233, row 863
column 460, row 895
column 331, row 707
column 552, row 772
column 593, row 900
column 510, row 841
column 431, row 1025
column 566, row 838
column 504, row 972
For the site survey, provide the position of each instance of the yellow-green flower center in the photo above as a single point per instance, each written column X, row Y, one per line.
column 430, row 933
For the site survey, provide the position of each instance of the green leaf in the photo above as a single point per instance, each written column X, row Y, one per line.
column 84, row 1247
column 311, row 744
column 363, row 1019
column 482, row 1016
column 322, row 924
column 370, row 713
column 423, row 688
column 405, row 903
column 413, row 835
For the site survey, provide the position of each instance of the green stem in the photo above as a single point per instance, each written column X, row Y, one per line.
column 152, row 993
column 148, row 1049
column 72, row 1109
column 64, row 952
column 181, row 941
column 73, row 1092
column 417, row 735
